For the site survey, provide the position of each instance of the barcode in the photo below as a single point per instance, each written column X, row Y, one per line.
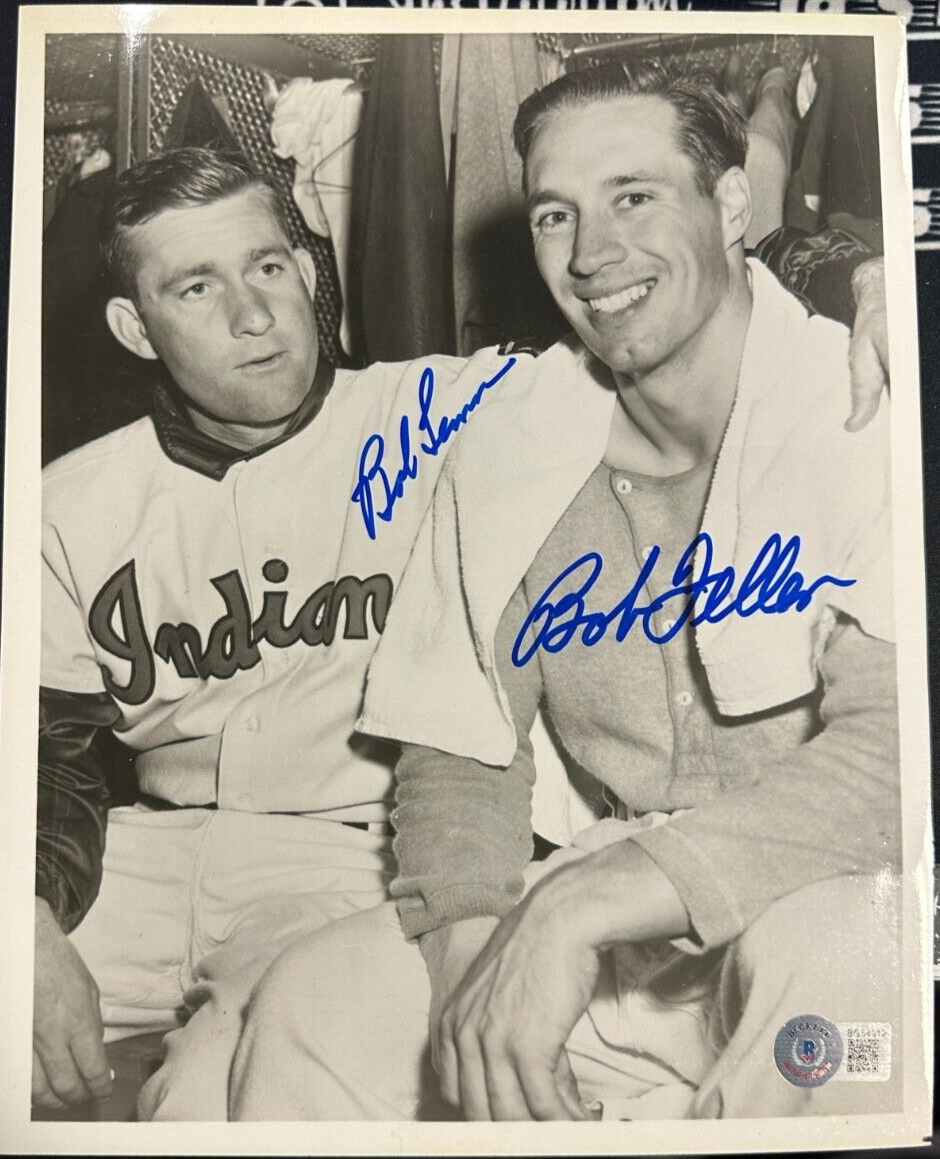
column 864, row 1056
column 867, row 1051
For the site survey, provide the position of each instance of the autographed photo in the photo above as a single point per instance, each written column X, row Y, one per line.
column 478, row 668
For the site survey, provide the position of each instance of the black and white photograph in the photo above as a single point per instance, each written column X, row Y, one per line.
column 464, row 514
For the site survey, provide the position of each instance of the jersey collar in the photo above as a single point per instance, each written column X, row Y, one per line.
column 184, row 444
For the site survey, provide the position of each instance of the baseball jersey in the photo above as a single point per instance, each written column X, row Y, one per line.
column 245, row 597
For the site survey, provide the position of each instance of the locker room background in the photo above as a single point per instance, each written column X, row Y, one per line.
column 439, row 252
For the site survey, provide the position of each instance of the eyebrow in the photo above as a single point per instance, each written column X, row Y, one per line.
column 278, row 249
column 634, row 179
column 178, row 276
column 616, row 182
column 207, row 268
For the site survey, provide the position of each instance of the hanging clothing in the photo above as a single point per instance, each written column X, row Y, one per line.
column 90, row 383
column 447, row 88
column 810, row 144
column 201, row 120
column 498, row 293
column 401, row 251
column 851, row 182
column 315, row 123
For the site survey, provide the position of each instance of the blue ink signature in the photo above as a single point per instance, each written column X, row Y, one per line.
column 371, row 467
column 771, row 585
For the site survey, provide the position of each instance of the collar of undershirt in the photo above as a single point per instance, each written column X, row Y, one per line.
column 187, row 445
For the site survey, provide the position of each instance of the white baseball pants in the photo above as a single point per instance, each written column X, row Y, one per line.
column 338, row 1029
column 195, row 904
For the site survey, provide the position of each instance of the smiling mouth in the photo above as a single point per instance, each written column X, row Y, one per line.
column 623, row 300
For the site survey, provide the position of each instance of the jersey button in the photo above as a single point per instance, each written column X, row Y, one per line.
column 647, row 551
column 252, row 724
column 684, row 699
column 624, row 486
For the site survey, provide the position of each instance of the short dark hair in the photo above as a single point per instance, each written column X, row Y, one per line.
column 712, row 132
column 175, row 180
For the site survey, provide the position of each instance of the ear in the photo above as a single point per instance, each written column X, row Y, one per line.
column 734, row 195
column 128, row 328
column 308, row 271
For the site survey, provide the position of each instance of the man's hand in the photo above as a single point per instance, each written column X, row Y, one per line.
column 501, row 1035
column 500, row 1042
column 868, row 352
column 69, row 1062
column 449, row 952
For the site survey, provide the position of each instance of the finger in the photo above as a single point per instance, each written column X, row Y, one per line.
column 541, row 1093
column 42, row 1095
column 64, row 1078
column 471, row 1077
column 503, row 1091
column 868, row 381
column 435, row 1044
column 92, row 1063
column 567, row 1086
column 446, row 1064
column 864, row 410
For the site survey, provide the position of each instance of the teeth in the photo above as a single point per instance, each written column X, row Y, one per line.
column 622, row 300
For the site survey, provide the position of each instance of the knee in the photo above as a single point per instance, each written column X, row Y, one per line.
column 844, row 918
column 164, row 1095
column 153, row 1094
column 304, row 1047
column 309, row 990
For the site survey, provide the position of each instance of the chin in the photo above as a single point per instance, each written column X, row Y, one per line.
column 283, row 404
column 267, row 416
column 617, row 359
column 637, row 358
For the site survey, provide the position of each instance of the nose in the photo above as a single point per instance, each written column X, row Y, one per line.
column 249, row 313
column 596, row 244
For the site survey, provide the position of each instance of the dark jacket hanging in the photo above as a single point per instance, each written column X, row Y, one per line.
column 198, row 121
column 400, row 237
column 90, row 384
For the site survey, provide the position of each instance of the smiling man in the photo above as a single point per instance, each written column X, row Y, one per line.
column 210, row 595
column 749, row 765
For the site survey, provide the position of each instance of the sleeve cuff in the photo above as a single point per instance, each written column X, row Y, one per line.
column 714, row 913
column 52, row 886
column 455, row 904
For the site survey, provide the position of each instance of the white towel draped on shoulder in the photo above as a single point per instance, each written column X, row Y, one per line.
column 786, row 465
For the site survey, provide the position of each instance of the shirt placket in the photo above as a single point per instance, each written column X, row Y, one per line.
column 650, row 519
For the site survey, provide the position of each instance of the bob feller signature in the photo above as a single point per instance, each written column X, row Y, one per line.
column 771, row 586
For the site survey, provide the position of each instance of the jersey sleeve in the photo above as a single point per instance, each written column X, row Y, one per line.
column 72, row 800
column 75, row 714
column 816, row 267
column 830, row 807
column 68, row 660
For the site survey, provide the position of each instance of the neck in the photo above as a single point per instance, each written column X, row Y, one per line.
column 241, row 436
column 673, row 418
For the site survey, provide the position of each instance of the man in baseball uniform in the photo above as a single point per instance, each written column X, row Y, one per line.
column 208, row 574
column 215, row 579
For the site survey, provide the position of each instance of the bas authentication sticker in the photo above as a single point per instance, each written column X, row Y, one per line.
column 808, row 1050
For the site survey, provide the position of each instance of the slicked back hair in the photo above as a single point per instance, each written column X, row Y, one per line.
column 712, row 132
column 177, row 179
